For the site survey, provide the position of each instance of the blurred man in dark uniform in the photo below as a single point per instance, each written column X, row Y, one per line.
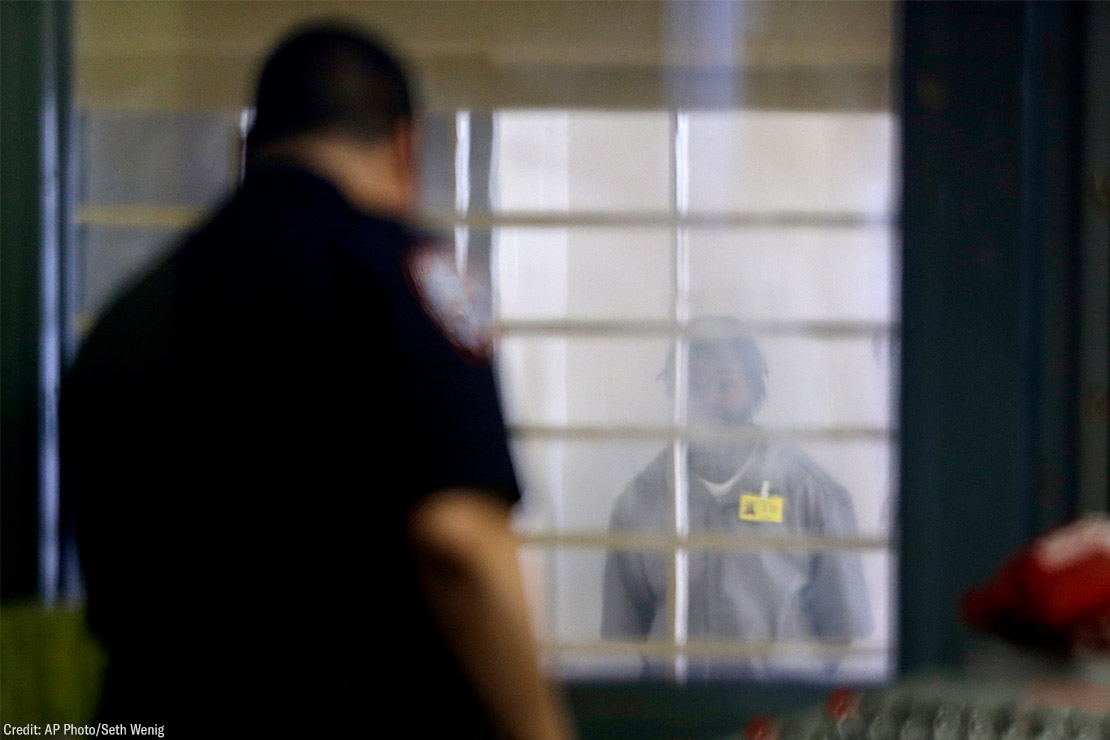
column 290, row 471
column 752, row 484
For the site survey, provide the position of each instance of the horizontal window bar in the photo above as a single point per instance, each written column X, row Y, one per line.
column 561, row 219
column 622, row 329
column 665, row 328
column 711, row 541
column 173, row 217
column 139, row 214
column 704, row 648
column 542, row 431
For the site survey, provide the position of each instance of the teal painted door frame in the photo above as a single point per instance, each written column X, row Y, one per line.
column 22, row 86
column 990, row 256
column 36, row 188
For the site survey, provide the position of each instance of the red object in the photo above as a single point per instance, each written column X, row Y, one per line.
column 1055, row 591
column 842, row 704
column 762, row 728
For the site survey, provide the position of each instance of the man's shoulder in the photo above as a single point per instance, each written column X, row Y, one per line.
column 289, row 242
column 646, row 492
column 288, row 196
column 812, row 487
column 137, row 318
column 784, row 453
column 653, row 478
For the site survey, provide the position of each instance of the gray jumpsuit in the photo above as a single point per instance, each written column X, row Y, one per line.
column 769, row 596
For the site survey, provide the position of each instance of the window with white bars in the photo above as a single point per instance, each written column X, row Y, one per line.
column 606, row 238
column 607, row 235
column 611, row 237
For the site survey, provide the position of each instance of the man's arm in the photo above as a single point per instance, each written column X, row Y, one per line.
column 466, row 555
column 624, row 612
column 837, row 593
column 627, row 604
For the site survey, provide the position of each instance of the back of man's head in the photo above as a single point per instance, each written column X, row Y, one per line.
column 330, row 79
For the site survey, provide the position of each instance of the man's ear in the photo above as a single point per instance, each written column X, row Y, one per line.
column 405, row 148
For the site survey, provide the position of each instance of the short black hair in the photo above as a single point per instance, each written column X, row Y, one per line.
column 330, row 78
column 708, row 333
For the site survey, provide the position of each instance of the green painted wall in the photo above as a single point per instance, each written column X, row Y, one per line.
column 21, row 90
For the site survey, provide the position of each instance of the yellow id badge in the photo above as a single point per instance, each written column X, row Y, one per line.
column 756, row 508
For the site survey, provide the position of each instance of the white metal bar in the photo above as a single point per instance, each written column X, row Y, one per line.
column 704, row 541
column 673, row 327
column 246, row 123
column 703, row 648
column 140, row 215
column 462, row 190
column 462, row 163
column 664, row 433
column 663, row 219
column 681, row 315
column 149, row 214
column 462, row 248
column 666, row 328
column 682, row 162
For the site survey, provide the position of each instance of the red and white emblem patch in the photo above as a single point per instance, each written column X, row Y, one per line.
column 458, row 306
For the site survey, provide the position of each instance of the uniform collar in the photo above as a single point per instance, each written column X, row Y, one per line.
column 289, row 174
column 298, row 184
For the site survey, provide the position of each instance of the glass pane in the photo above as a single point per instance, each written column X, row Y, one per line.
column 581, row 161
column 763, row 615
column 726, row 482
column 172, row 158
column 438, row 162
column 788, row 161
column 583, row 381
column 585, row 665
column 783, row 595
column 572, row 484
column 113, row 256
column 826, row 382
column 794, row 274
column 789, row 171
column 584, row 273
column 575, row 484
column 866, row 470
column 572, row 592
column 811, row 383
column 869, row 666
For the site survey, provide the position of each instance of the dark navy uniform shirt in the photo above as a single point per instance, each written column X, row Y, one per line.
column 244, row 435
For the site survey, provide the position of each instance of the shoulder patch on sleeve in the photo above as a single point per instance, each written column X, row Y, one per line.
column 458, row 306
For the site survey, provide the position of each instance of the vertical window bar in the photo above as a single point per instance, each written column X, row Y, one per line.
column 462, row 189
column 462, row 248
column 246, row 123
column 682, row 162
column 681, row 311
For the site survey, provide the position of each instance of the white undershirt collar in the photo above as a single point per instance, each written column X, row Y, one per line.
column 720, row 489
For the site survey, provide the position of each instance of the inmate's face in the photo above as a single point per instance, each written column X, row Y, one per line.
column 719, row 391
